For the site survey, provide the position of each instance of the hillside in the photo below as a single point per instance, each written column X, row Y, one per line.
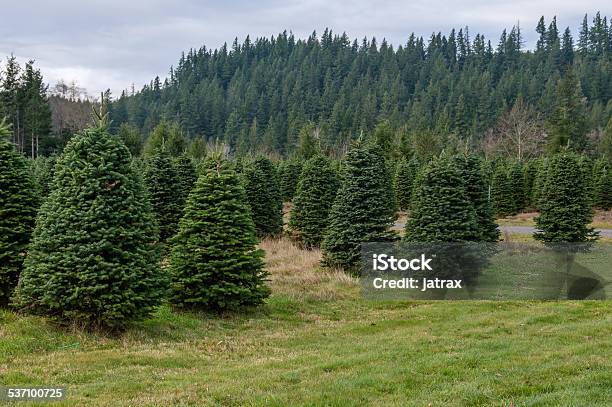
column 258, row 95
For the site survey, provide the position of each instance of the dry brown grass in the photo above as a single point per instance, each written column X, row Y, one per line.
column 295, row 272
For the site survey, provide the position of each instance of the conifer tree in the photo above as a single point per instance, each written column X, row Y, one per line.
column 315, row 193
column 404, row 181
column 477, row 192
column 517, row 181
column 186, row 174
column 502, row 195
column 215, row 264
column 164, row 189
column 289, row 177
column 264, row 197
column 565, row 210
column 363, row 210
column 18, row 204
column 602, row 185
column 442, row 210
column 568, row 126
column 93, row 258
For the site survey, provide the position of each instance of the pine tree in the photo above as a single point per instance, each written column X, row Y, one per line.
column 215, row 264
column 502, row 195
column 264, row 197
column 18, row 204
column 477, row 192
column 164, row 188
column 186, row 174
column 289, row 177
column 93, row 258
column 363, row 210
column 442, row 210
column 404, row 181
column 565, row 210
column 315, row 194
column 568, row 124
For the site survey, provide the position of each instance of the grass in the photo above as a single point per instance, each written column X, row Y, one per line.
column 317, row 342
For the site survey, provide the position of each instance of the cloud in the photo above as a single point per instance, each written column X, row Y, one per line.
column 114, row 43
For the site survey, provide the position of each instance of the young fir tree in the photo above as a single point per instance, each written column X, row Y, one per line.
column 530, row 174
column 289, row 177
column 442, row 210
column 164, row 188
column 264, row 197
column 502, row 195
column 363, row 210
column 186, row 173
column 315, row 193
column 477, row 192
column 215, row 264
column 540, row 180
column 517, row 181
column 18, row 204
column 404, row 181
column 565, row 210
column 93, row 258
column 602, row 185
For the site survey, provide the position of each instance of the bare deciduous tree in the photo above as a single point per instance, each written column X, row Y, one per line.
column 519, row 133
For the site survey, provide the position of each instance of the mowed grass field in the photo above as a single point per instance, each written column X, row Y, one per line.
column 317, row 342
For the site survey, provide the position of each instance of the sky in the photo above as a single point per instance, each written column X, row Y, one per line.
column 116, row 43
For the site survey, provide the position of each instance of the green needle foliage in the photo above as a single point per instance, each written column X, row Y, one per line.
column 93, row 259
column 602, row 187
column 18, row 204
column 442, row 210
column 404, row 181
column 289, row 177
column 214, row 261
column 565, row 210
column 517, row 180
column 477, row 192
column 164, row 188
column 186, row 173
column 264, row 197
column 502, row 193
column 317, row 187
column 364, row 208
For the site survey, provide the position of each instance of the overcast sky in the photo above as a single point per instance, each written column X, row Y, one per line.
column 114, row 43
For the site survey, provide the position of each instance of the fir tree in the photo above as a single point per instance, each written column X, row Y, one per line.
column 363, row 210
column 517, row 181
column 215, row 264
column 602, row 188
column 442, row 210
column 568, row 127
column 477, row 192
column 18, row 204
column 502, row 194
column 565, row 210
column 264, row 197
column 289, row 177
column 404, row 181
column 186, row 174
column 93, row 258
column 164, row 188
column 316, row 189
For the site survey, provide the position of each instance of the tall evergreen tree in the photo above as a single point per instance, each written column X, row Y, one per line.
column 18, row 204
column 517, row 181
column 289, row 177
column 404, row 181
column 316, row 191
column 186, row 174
column 565, row 210
column 602, row 185
column 215, row 264
column 264, row 197
column 93, row 258
column 164, row 188
column 568, row 127
column 363, row 210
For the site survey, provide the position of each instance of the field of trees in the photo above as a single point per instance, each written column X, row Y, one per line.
column 204, row 234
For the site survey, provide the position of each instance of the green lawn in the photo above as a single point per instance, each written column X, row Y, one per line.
column 322, row 344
